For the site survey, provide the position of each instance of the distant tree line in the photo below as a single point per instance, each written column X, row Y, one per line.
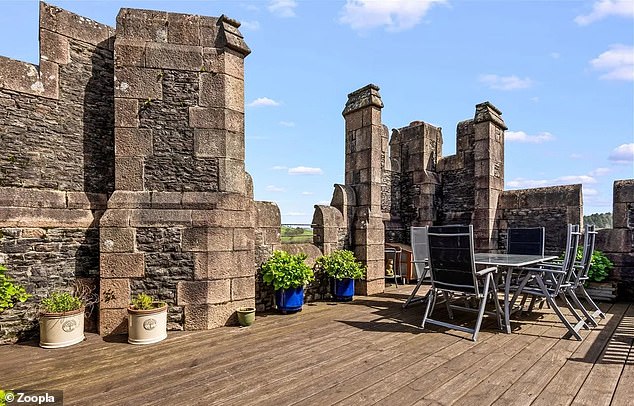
column 600, row 220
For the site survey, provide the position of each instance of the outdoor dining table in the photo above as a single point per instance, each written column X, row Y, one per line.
column 509, row 262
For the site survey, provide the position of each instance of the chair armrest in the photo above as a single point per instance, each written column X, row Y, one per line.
column 486, row 270
column 543, row 270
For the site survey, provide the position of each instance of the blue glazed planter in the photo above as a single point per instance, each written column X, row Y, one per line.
column 344, row 289
column 289, row 300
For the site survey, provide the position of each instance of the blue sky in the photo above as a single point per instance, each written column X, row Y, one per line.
column 562, row 72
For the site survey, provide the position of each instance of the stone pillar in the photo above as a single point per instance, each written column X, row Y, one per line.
column 180, row 224
column 488, row 172
column 364, row 153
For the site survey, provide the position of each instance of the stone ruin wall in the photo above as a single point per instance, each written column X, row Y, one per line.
column 57, row 169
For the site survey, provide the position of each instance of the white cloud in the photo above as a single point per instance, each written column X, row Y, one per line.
column 307, row 193
column 505, row 82
column 275, row 189
column 605, row 8
column 521, row 136
column 600, row 172
column 250, row 25
column 535, row 99
column 279, row 168
column 555, row 55
column 576, row 156
column 283, row 8
column 295, row 213
column 521, row 183
column 305, row 170
column 622, row 154
column 323, row 203
column 263, row 101
column 590, row 192
column 287, row 124
column 394, row 15
column 617, row 62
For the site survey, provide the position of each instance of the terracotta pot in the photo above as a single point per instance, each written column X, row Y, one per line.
column 59, row 330
column 246, row 316
column 147, row 326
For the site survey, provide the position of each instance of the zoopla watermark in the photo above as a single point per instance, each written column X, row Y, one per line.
column 31, row 397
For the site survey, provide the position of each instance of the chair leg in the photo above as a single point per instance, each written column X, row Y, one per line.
column 483, row 303
column 596, row 312
column 575, row 300
column 498, row 308
column 580, row 322
column 557, row 310
column 429, row 308
column 412, row 296
column 448, row 304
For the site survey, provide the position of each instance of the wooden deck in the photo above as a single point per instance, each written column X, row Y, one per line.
column 358, row 353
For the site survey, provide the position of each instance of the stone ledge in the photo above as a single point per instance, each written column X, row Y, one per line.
column 75, row 26
column 49, row 218
column 27, row 78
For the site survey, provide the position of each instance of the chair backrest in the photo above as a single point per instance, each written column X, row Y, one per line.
column 528, row 241
column 588, row 249
column 420, row 249
column 451, row 258
column 572, row 242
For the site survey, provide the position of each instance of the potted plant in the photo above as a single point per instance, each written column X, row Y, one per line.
column 10, row 293
column 288, row 274
column 147, row 320
column 343, row 268
column 61, row 320
column 246, row 316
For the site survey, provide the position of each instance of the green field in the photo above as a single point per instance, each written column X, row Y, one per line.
column 296, row 234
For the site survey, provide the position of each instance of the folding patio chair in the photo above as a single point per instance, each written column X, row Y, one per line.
column 420, row 256
column 552, row 280
column 453, row 271
column 581, row 276
column 526, row 241
column 393, row 255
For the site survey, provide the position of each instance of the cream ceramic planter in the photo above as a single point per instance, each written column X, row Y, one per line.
column 147, row 326
column 59, row 330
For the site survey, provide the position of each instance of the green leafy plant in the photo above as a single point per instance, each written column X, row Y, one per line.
column 284, row 270
column 10, row 293
column 341, row 264
column 600, row 265
column 143, row 301
column 61, row 302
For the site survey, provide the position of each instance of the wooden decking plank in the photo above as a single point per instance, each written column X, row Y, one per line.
column 224, row 364
column 159, row 354
column 563, row 387
column 601, row 383
column 530, row 385
column 624, row 393
column 499, row 381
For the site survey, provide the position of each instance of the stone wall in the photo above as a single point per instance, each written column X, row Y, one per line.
column 549, row 207
column 181, row 223
column 618, row 243
column 57, row 165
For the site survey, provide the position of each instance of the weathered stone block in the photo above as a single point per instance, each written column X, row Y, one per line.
column 114, row 293
column 21, row 197
column 619, row 215
column 242, row 288
column 81, row 200
column 232, row 176
column 243, row 239
column 200, row 200
column 271, row 235
column 122, row 265
column 132, row 142
column 138, row 83
column 223, row 91
column 123, row 199
column 146, row 25
column 195, row 239
column 129, row 52
column 234, row 201
column 623, row 191
column 220, row 239
column 225, row 314
column 223, row 264
column 128, row 173
column 615, row 240
column 167, row 200
column 160, row 218
column 54, row 47
column 208, row 31
column 126, row 112
column 196, row 317
column 268, row 214
column 222, row 218
column 113, row 321
column 210, row 143
column 115, row 239
column 47, row 218
column 204, row 292
column 73, row 26
column 115, row 218
column 170, row 56
column 183, row 29
column 223, row 119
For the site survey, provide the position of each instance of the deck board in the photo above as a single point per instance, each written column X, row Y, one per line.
column 369, row 351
